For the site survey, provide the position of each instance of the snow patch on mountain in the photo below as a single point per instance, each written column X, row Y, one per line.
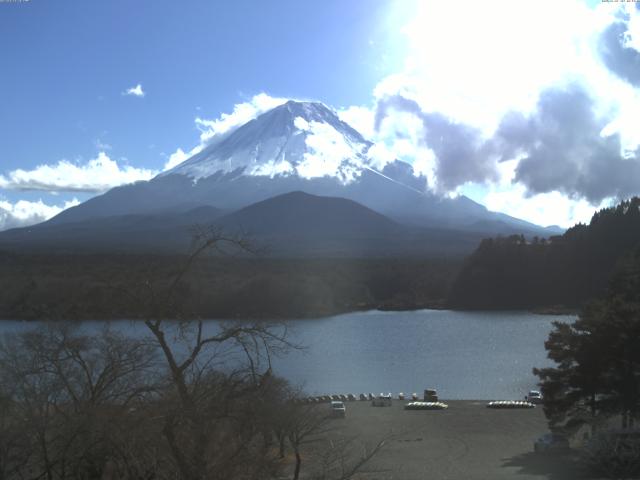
column 272, row 168
column 330, row 153
column 305, row 139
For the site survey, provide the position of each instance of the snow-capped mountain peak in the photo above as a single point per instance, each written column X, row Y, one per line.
column 295, row 147
column 305, row 139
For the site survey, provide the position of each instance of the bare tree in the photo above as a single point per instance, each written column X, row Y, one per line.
column 215, row 371
column 70, row 392
column 14, row 442
column 304, row 424
column 190, row 400
column 311, row 432
column 343, row 458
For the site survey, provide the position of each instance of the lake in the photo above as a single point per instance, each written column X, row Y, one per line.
column 464, row 355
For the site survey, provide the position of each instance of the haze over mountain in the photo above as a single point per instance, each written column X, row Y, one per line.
column 295, row 147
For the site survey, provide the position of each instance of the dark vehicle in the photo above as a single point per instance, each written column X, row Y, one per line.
column 430, row 395
column 550, row 443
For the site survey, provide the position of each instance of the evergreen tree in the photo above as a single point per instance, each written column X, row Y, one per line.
column 567, row 270
column 597, row 372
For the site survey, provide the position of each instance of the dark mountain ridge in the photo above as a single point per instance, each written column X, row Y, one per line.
column 295, row 224
column 299, row 213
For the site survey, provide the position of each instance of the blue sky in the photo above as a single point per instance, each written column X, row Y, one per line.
column 67, row 65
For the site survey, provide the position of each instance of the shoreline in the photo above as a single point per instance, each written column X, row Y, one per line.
column 437, row 306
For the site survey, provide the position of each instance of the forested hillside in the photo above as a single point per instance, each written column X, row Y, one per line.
column 80, row 287
column 566, row 270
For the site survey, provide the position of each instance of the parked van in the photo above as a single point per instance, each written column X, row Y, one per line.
column 381, row 401
column 338, row 409
column 534, row 397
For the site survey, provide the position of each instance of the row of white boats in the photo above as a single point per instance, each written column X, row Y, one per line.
column 414, row 404
column 350, row 397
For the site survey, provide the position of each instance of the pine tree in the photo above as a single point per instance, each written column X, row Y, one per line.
column 597, row 372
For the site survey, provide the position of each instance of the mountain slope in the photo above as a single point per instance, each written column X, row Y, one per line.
column 298, row 146
column 302, row 214
column 293, row 225
column 161, row 232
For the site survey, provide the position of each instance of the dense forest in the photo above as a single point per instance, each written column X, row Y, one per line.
column 562, row 271
column 117, row 286
column 511, row 272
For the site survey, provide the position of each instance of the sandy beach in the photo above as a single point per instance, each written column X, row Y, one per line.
column 466, row 441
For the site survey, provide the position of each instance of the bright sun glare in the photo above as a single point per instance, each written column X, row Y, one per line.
column 474, row 62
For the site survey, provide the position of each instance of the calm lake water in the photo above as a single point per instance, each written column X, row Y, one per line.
column 464, row 355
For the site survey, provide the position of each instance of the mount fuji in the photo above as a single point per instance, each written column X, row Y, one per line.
column 295, row 147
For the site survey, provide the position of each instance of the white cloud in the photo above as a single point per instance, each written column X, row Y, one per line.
column 543, row 209
column 498, row 57
column 135, row 91
column 552, row 208
column 177, row 157
column 272, row 168
column 361, row 118
column 328, row 150
column 301, row 124
column 633, row 39
column 380, row 155
column 24, row 213
column 96, row 175
column 425, row 165
column 242, row 113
